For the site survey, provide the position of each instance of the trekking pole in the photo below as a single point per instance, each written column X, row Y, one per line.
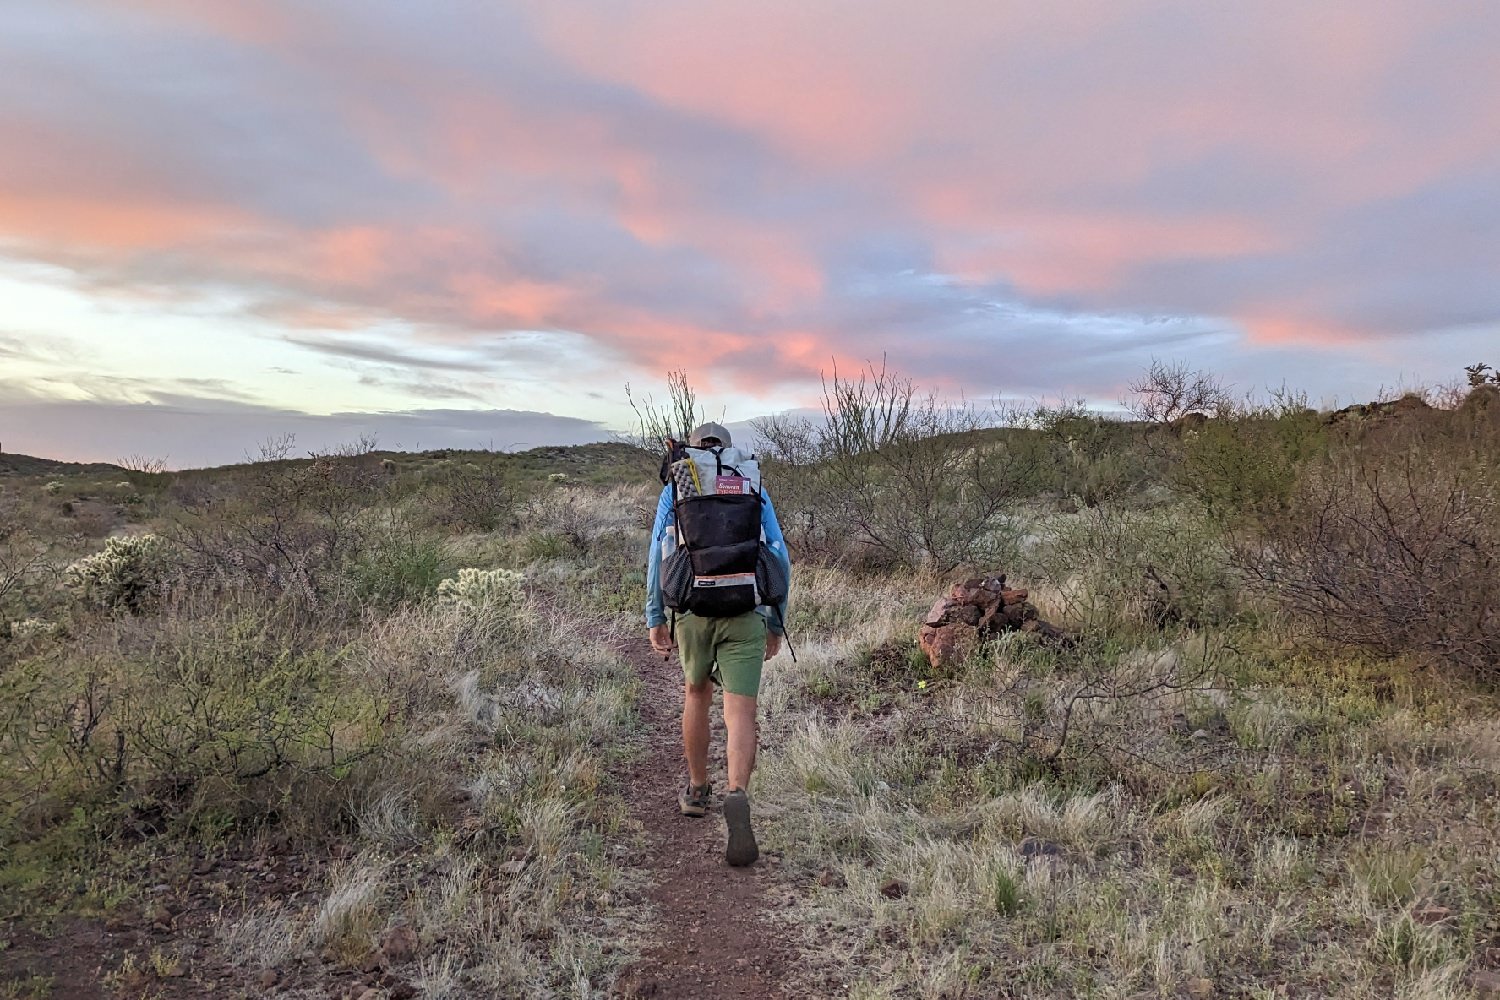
column 785, row 634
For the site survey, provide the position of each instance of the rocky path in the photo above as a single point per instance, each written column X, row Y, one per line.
column 712, row 937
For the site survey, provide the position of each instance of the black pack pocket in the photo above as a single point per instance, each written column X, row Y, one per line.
column 718, row 519
column 771, row 577
column 722, row 601
column 721, row 560
column 677, row 580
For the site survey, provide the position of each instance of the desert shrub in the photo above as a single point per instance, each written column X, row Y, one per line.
column 902, row 476
column 1114, row 568
column 1245, row 465
column 286, row 527
column 53, row 488
column 128, row 574
column 399, row 568
column 23, row 555
column 587, row 521
column 674, row 418
column 1092, row 458
column 1392, row 542
column 469, row 497
column 1168, row 391
column 218, row 703
column 1481, row 375
column 1093, row 711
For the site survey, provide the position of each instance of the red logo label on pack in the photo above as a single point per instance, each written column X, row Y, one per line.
column 732, row 484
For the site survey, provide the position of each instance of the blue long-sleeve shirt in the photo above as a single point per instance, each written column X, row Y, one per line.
column 664, row 541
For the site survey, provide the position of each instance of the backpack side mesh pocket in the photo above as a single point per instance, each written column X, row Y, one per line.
column 771, row 577
column 677, row 580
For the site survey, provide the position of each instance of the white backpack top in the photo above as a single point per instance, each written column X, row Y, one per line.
column 723, row 470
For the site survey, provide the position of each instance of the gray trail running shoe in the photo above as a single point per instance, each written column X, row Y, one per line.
column 693, row 801
column 741, row 850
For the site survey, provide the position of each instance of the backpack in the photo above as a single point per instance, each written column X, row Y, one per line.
column 721, row 566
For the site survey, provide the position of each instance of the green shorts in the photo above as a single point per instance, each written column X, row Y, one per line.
column 732, row 649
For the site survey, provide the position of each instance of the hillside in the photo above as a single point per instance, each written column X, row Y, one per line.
column 599, row 463
column 27, row 465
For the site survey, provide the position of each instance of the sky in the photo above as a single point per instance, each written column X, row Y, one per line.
column 473, row 223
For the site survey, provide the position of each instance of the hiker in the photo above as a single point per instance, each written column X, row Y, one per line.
column 719, row 561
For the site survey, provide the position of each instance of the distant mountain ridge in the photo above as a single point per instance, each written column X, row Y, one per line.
column 604, row 461
column 30, row 465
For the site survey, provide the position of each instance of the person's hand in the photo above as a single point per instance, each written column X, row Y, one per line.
column 773, row 644
column 661, row 639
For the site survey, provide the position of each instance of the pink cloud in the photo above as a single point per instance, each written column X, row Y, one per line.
column 115, row 226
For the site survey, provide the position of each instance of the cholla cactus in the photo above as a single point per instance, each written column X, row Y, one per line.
column 53, row 488
column 482, row 589
column 30, row 628
column 557, row 477
column 128, row 570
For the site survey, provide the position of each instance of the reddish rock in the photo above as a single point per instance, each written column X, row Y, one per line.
column 968, row 614
column 969, row 592
column 975, row 610
column 939, row 609
column 893, row 889
column 948, row 645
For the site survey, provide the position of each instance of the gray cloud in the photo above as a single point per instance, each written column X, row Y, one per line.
column 359, row 350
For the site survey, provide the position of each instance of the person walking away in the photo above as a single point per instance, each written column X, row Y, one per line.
column 718, row 562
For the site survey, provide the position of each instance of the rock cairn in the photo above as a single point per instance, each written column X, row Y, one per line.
column 973, row 611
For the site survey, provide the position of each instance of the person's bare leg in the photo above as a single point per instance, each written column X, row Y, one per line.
column 696, row 700
column 739, row 720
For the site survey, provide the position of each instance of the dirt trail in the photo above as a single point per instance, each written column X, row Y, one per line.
column 712, row 938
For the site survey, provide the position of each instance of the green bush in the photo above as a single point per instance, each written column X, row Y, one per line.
column 1391, row 541
column 1245, row 466
column 397, row 571
column 1092, row 458
column 1119, row 568
column 170, row 707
